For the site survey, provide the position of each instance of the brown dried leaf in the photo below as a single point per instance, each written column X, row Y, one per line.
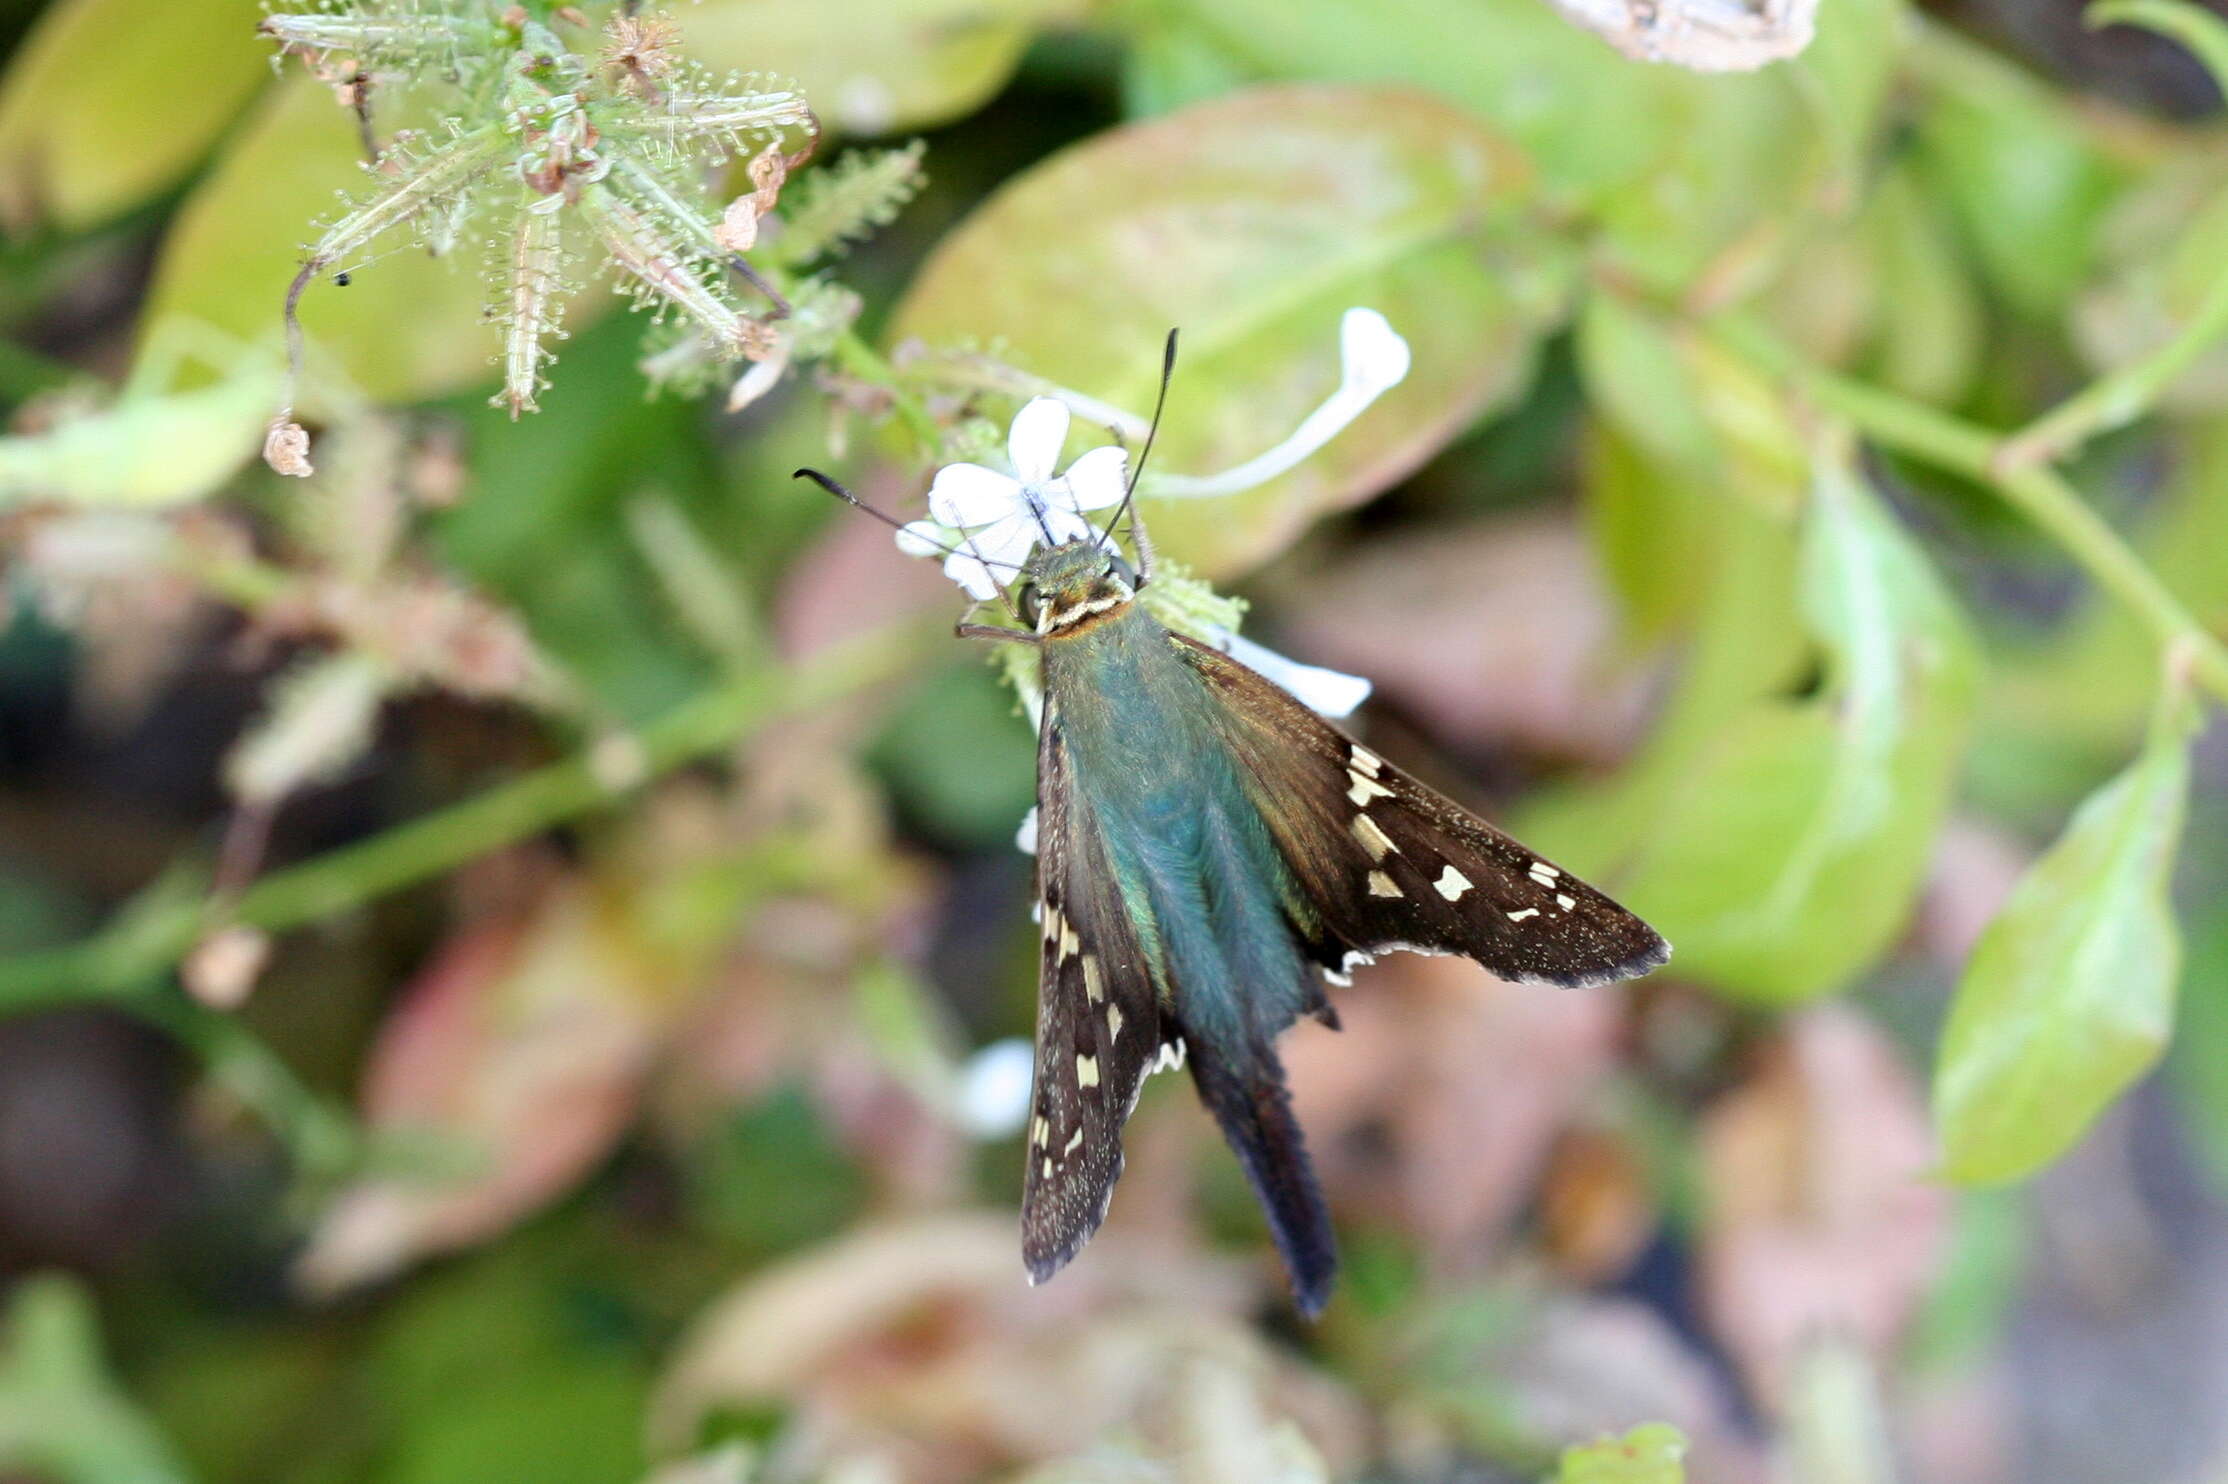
column 1438, row 1102
column 1822, row 1217
column 920, row 1345
column 523, row 1044
column 1498, row 633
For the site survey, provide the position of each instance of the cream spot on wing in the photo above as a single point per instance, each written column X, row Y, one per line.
column 1520, row 916
column 1093, row 984
column 1381, row 885
column 1452, row 884
column 1073, row 1140
column 1039, row 1131
column 1045, row 1170
column 1068, row 942
column 1365, row 760
column 1113, row 1021
column 1051, row 923
column 1086, row 1071
column 1564, row 902
column 1365, row 788
column 1374, row 840
column 1544, row 873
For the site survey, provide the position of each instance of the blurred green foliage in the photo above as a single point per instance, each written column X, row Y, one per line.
column 1848, row 374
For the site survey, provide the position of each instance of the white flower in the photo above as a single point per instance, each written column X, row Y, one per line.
column 1372, row 359
column 993, row 1092
column 1002, row 517
column 1328, row 692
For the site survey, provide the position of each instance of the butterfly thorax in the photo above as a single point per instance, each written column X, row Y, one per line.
column 1074, row 586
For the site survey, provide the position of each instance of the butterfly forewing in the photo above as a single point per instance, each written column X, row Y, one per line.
column 1381, row 861
column 1098, row 1024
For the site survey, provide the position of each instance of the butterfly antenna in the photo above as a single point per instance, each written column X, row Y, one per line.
column 1137, row 470
column 969, row 551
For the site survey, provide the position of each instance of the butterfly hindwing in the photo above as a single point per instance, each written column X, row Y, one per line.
column 1382, row 861
column 1099, row 1027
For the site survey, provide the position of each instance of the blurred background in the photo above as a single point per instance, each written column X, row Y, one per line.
column 511, row 946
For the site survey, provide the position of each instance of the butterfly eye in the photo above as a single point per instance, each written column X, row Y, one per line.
column 1028, row 601
column 1116, row 567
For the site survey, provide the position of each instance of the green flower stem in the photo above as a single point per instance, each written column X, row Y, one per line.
column 2119, row 398
column 2037, row 491
column 131, row 956
column 865, row 362
column 319, row 1134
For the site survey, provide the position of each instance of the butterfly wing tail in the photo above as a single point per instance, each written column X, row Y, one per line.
column 1249, row 1101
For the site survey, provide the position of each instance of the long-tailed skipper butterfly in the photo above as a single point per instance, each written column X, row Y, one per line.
column 1209, row 851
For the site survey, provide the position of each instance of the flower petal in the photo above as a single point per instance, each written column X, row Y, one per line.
column 994, row 1089
column 1329, row 692
column 1370, row 351
column 1007, row 542
column 1034, row 441
column 1060, row 518
column 920, row 538
column 979, row 582
column 1097, row 479
column 969, row 495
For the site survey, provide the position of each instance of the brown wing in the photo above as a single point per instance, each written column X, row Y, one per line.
column 1383, row 862
column 1099, row 1028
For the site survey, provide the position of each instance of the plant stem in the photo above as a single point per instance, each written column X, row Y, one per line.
column 865, row 362
column 130, row 956
column 2037, row 491
column 2119, row 398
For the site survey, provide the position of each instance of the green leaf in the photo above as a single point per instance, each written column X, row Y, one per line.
column 1927, row 334
column 407, row 327
column 2069, row 995
column 871, row 66
column 2026, row 182
column 1252, row 223
column 148, row 448
column 1653, row 1453
column 1677, row 166
column 110, row 101
column 1780, row 842
column 2204, row 33
column 61, row 1416
column 1652, row 531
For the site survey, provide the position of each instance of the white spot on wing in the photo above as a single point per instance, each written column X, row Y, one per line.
column 1452, row 884
column 1565, row 902
column 1086, row 1071
column 1073, row 1140
column 1373, row 838
column 1381, row 885
column 1364, row 760
column 1521, row 915
column 1113, row 1021
column 1365, row 788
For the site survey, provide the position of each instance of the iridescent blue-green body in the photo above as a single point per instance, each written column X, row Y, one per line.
column 1209, row 851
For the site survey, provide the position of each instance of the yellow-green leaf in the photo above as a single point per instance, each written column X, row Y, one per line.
column 110, row 101
column 408, row 325
column 1778, row 842
column 1652, row 1453
column 1251, row 224
column 2069, row 995
column 871, row 66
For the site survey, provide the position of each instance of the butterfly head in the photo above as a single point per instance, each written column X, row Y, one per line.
column 1074, row 584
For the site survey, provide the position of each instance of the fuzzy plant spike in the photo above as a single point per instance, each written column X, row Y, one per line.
column 563, row 148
